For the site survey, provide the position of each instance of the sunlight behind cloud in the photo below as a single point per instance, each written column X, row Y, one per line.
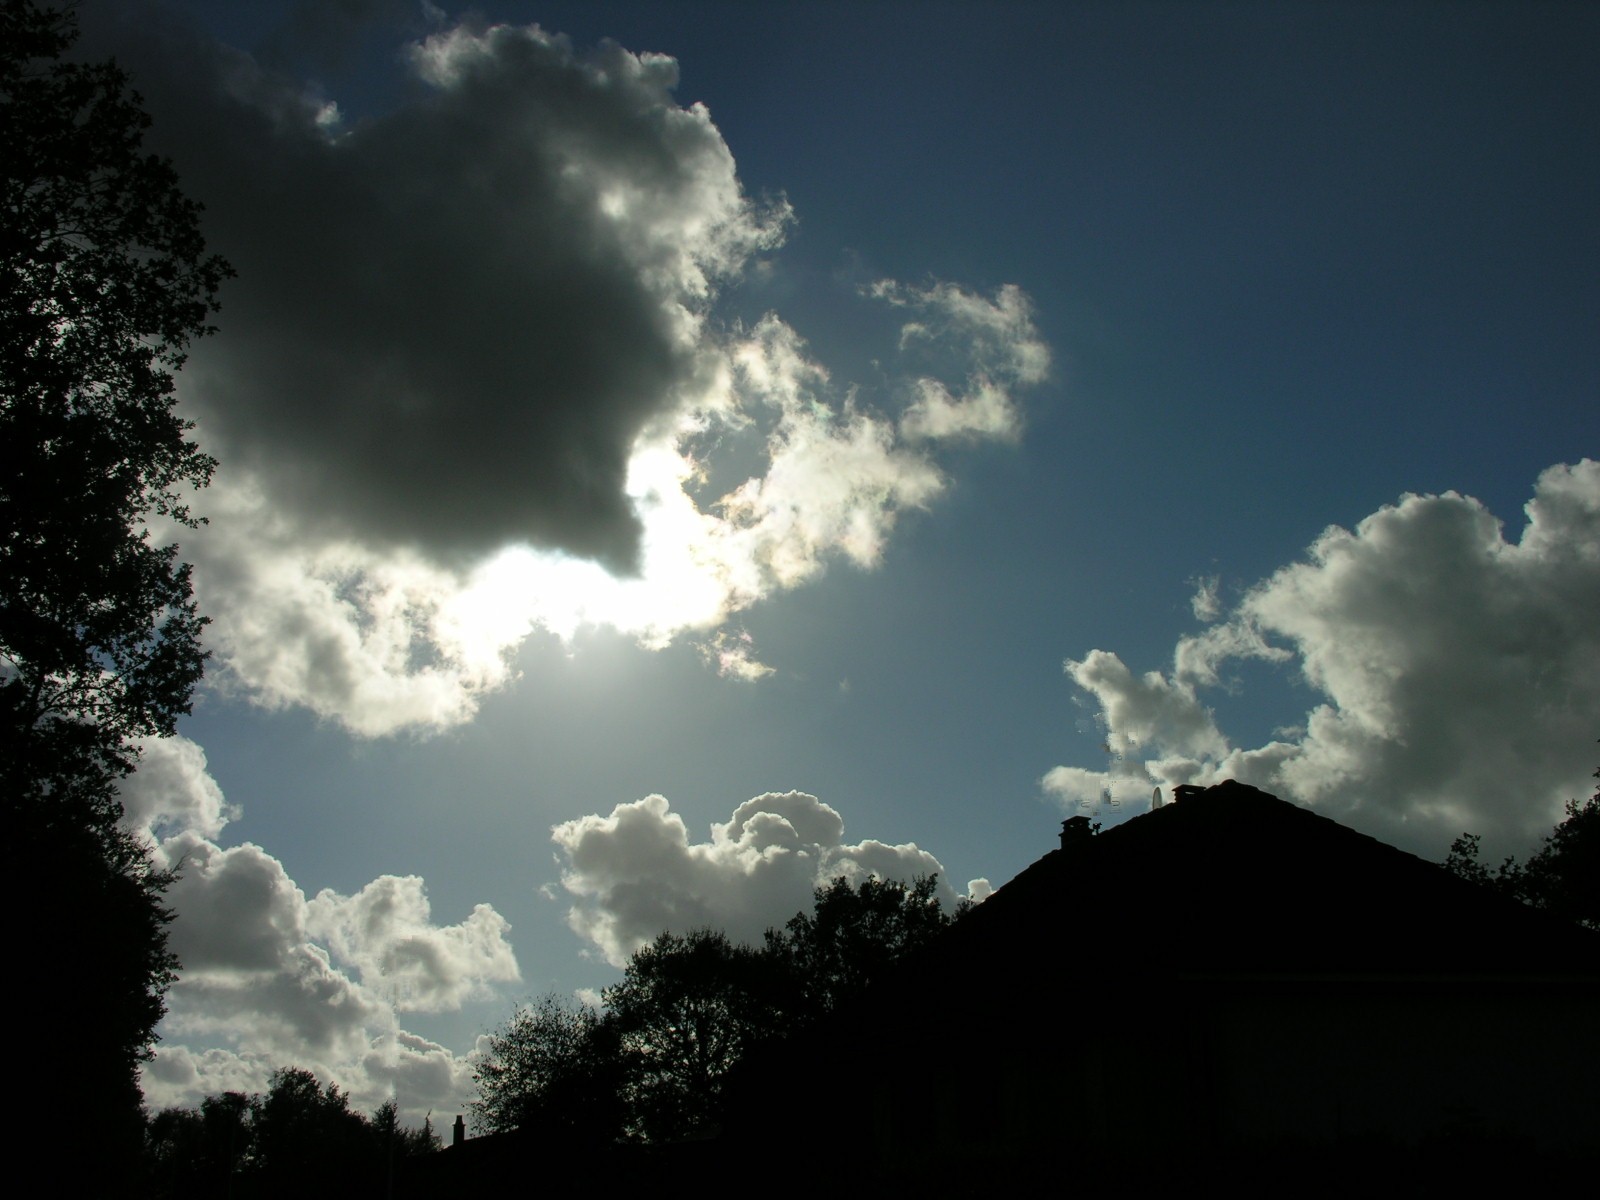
column 512, row 426
column 384, row 640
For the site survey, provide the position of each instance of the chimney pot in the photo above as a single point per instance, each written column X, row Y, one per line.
column 1075, row 830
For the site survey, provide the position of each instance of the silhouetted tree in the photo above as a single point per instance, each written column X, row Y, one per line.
column 407, row 1141
column 1463, row 861
column 176, row 1152
column 836, row 951
column 299, row 1138
column 555, row 1066
column 106, row 283
column 103, row 284
column 687, row 1009
column 306, row 1133
column 194, row 1152
column 1562, row 876
column 648, row 1067
column 652, row 1064
column 398, row 1141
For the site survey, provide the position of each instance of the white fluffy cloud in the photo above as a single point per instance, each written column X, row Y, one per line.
column 472, row 381
column 635, row 873
column 271, row 979
column 835, row 480
column 386, row 932
column 172, row 791
column 1459, row 673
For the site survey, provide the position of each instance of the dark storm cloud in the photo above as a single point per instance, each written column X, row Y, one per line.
column 450, row 322
column 477, row 312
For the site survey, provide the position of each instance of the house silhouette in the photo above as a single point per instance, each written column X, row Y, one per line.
column 1228, row 983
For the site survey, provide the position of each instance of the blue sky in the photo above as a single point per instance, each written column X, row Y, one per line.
column 1186, row 299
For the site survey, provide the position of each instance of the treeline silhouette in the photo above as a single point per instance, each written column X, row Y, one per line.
column 649, row 1068
column 644, row 1077
column 651, row 1065
column 298, row 1139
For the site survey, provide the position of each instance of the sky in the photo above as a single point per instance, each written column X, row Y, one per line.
column 672, row 455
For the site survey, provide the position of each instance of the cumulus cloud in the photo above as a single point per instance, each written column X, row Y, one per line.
column 172, row 791
column 386, row 932
column 635, row 873
column 271, row 979
column 178, row 1075
column 452, row 320
column 986, row 411
column 1458, row 673
column 422, row 1077
column 835, row 480
column 472, row 380
column 374, row 641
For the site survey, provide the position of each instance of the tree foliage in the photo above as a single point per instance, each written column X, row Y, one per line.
column 652, row 1065
column 689, row 1008
column 299, row 1138
column 104, row 282
column 1562, row 876
column 837, row 950
column 194, row 1150
column 554, row 1066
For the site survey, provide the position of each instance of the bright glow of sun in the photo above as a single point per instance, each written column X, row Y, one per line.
column 680, row 584
column 383, row 640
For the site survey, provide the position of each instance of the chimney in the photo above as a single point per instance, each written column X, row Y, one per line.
column 459, row 1133
column 1075, row 831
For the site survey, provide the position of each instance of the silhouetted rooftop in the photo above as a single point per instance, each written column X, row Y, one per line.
column 1263, row 985
column 1232, row 879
